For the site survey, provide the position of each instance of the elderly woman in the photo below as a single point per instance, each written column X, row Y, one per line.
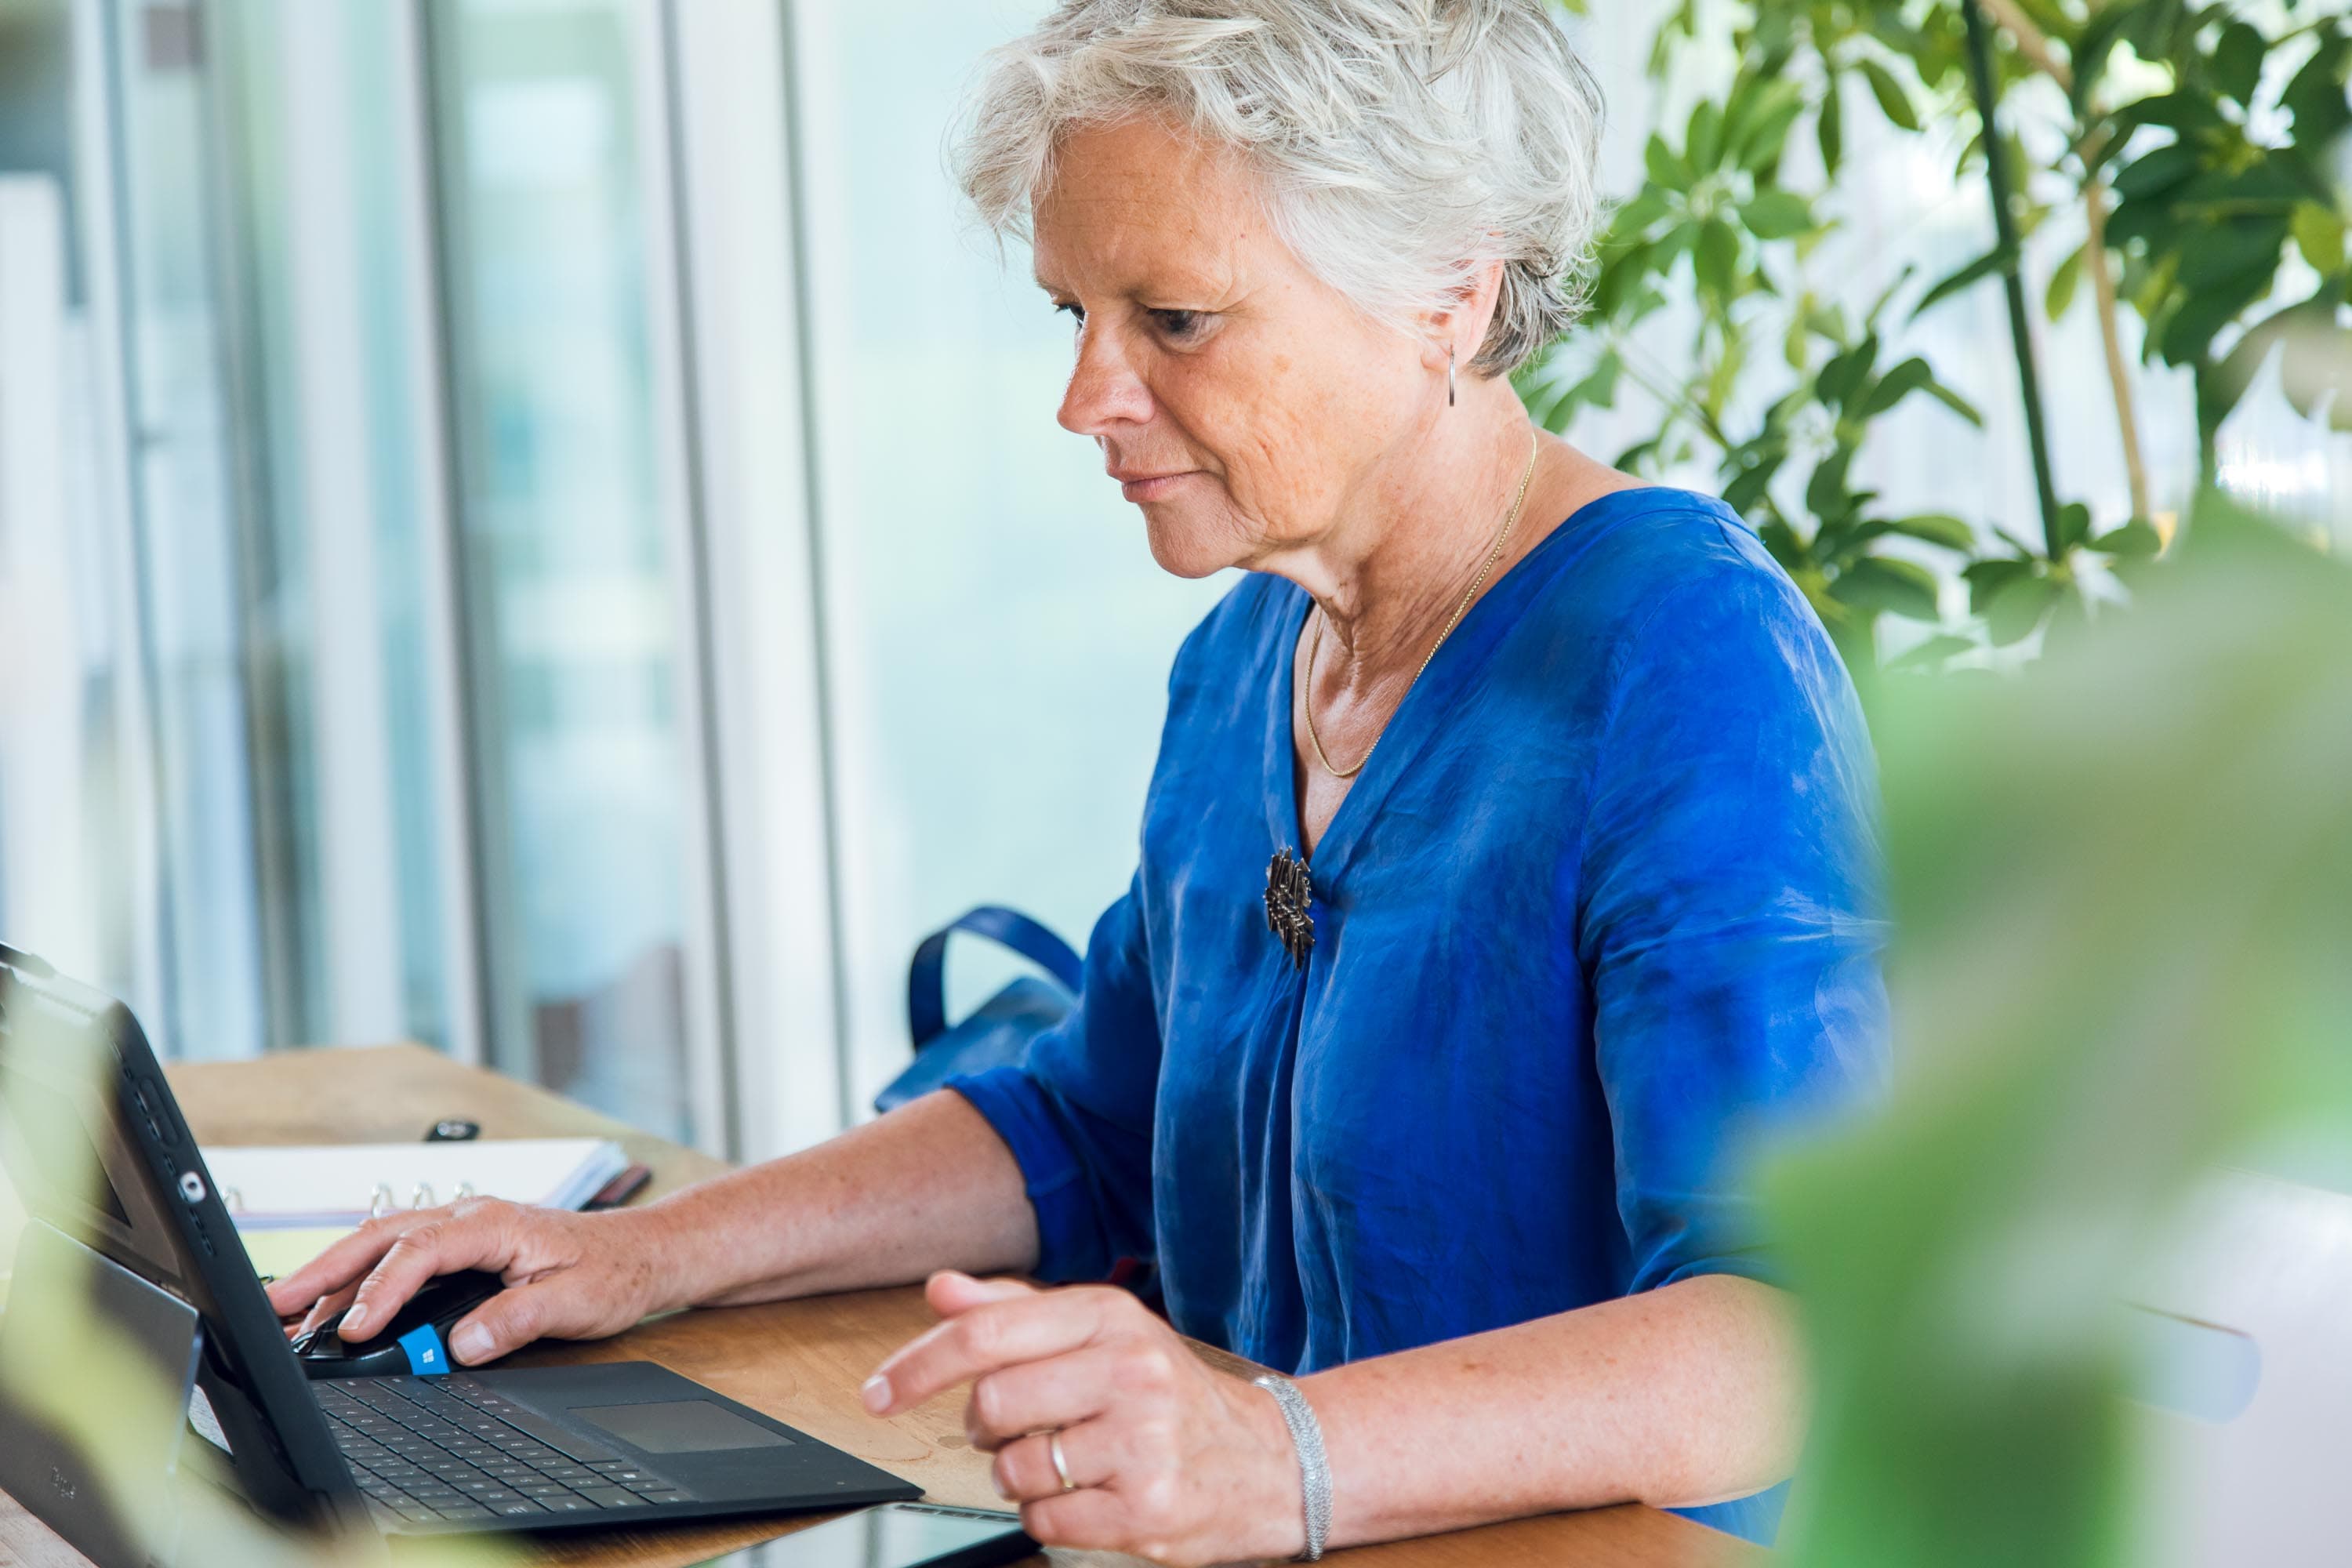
column 1506, row 875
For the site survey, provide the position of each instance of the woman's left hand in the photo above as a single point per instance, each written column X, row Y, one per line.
column 1167, row 1458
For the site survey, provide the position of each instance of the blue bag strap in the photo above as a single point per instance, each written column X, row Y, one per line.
column 926, row 1000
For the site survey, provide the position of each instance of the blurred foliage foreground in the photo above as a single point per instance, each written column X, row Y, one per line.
column 2122, row 882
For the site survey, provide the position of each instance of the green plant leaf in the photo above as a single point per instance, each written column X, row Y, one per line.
column 1782, row 542
column 1826, row 496
column 2018, row 608
column 1843, row 378
column 1635, row 219
column 1703, row 143
column 1987, row 578
column 1912, row 376
column 2135, row 539
column 1638, row 458
column 2188, row 332
column 1761, row 143
column 2094, row 47
column 1797, row 345
column 2316, row 96
column 1893, row 100
column 1931, row 654
column 1955, row 401
column 1621, row 271
column 2151, row 219
column 2237, row 65
column 1829, row 129
column 1665, row 168
column 2063, row 282
column 1748, row 488
column 1881, row 584
column 1718, row 258
column 1776, row 214
column 2319, row 234
column 2311, row 367
column 2073, row 525
column 2272, row 183
column 1937, row 528
column 2178, row 111
column 1986, row 266
column 2157, row 172
column 2226, row 250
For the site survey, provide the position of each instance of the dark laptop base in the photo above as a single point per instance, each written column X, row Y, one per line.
column 539, row 1447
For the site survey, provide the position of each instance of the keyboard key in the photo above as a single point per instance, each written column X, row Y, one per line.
column 610, row 1497
column 649, row 1486
column 518, row 1506
column 570, row 1502
column 464, row 1510
column 585, row 1450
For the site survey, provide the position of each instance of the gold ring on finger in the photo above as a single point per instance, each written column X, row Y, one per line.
column 1061, row 1464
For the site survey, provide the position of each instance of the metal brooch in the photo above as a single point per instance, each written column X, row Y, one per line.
column 1288, row 893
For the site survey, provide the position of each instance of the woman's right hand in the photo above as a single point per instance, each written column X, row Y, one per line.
column 568, row 1276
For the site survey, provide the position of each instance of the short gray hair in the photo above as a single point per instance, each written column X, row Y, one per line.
column 1402, row 144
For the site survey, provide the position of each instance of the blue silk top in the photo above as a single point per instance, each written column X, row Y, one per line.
column 1600, row 912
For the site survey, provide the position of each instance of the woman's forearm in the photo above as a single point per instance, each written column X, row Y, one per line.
column 928, row 1187
column 1687, row 1395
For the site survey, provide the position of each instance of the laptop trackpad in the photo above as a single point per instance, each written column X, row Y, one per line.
column 679, row 1426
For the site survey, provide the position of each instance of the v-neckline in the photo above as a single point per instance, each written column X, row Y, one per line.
column 1402, row 736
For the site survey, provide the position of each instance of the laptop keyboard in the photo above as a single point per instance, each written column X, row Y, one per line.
column 428, row 1449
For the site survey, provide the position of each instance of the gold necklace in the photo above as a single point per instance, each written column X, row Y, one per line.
column 1535, row 445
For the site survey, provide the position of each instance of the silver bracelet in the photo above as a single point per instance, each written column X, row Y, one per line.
column 1313, row 1467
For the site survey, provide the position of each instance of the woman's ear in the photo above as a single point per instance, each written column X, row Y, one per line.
column 1463, row 325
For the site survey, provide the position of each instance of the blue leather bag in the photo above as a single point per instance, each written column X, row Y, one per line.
column 999, row 1031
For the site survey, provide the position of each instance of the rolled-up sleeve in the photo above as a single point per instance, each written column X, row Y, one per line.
column 1078, row 1111
column 1730, row 921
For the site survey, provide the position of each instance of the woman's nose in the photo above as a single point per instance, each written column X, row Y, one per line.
column 1104, row 392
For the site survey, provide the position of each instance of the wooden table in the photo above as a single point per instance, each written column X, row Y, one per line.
column 800, row 1362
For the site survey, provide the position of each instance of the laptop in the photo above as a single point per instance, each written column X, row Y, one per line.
column 128, row 1233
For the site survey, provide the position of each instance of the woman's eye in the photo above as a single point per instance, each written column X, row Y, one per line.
column 1178, row 325
column 1076, row 312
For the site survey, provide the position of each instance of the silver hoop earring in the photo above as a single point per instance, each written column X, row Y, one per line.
column 1449, row 378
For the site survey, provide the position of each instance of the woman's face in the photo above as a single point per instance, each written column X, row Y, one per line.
column 1244, row 404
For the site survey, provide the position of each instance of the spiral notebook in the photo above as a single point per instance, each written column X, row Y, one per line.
column 342, row 1184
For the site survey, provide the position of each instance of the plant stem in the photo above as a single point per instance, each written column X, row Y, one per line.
column 2102, row 284
column 2031, row 41
column 1980, row 74
column 2034, row 45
